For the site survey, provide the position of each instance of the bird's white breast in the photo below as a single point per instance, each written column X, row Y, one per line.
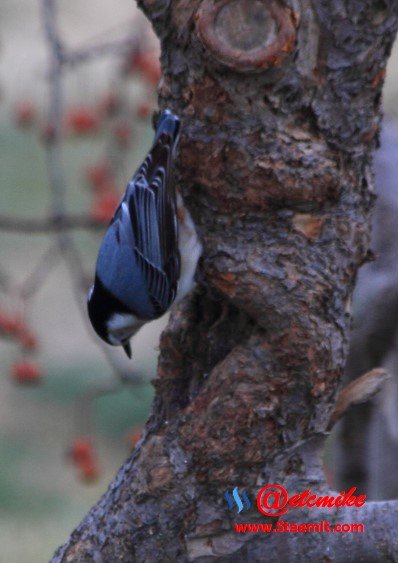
column 190, row 250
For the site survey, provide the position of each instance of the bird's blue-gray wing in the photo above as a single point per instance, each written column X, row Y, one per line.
column 121, row 270
column 139, row 258
column 152, row 209
column 148, row 234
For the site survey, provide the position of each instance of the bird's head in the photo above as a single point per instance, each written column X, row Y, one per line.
column 110, row 318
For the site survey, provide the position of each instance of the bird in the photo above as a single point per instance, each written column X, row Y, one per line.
column 148, row 256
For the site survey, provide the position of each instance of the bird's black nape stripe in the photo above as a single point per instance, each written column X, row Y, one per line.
column 102, row 305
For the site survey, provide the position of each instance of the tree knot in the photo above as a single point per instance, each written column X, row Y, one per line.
column 247, row 35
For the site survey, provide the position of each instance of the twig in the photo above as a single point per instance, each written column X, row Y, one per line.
column 358, row 391
column 112, row 48
column 54, row 160
column 42, row 269
column 48, row 224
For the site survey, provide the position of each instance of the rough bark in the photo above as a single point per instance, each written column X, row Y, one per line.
column 280, row 106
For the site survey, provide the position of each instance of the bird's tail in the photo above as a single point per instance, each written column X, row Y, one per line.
column 168, row 124
column 161, row 155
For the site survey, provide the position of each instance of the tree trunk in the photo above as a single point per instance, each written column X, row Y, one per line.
column 280, row 105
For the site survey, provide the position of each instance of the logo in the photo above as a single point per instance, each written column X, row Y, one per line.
column 274, row 500
column 238, row 500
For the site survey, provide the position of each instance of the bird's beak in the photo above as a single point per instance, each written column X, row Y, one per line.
column 127, row 349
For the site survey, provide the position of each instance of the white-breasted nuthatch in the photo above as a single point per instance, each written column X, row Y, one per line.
column 148, row 256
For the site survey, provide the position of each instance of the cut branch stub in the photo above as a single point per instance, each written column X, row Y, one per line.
column 247, row 35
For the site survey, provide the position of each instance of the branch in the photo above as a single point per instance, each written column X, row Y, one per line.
column 376, row 544
column 98, row 536
column 48, row 224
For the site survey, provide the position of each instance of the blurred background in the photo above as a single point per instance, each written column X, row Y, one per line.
column 69, row 413
column 66, row 421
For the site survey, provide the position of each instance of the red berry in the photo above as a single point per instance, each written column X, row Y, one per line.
column 83, row 456
column 25, row 114
column 14, row 326
column 134, row 436
column 81, row 451
column 82, row 121
column 25, row 372
column 148, row 65
column 144, row 110
column 122, row 134
column 28, row 340
column 104, row 206
column 89, row 471
column 99, row 176
column 11, row 324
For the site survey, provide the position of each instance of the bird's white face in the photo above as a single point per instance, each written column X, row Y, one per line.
column 121, row 327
